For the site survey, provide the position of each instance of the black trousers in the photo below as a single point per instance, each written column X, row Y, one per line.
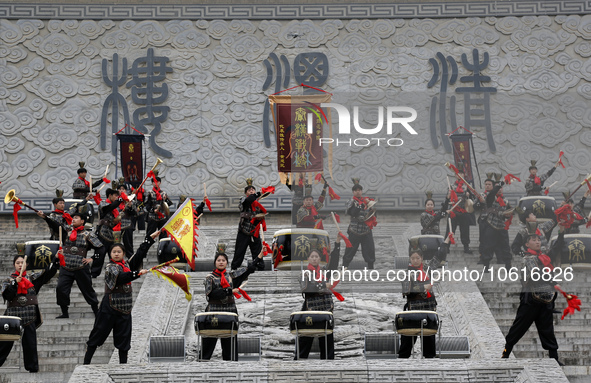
column 140, row 221
column 153, row 226
column 108, row 320
column 463, row 221
column 408, row 342
column 496, row 242
column 325, row 343
column 368, row 249
column 98, row 260
column 29, row 342
column 532, row 312
column 83, row 280
column 243, row 242
column 127, row 239
column 208, row 346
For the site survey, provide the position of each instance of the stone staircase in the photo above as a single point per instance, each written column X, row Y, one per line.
column 573, row 333
column 61, row 343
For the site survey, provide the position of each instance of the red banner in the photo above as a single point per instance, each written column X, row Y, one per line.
column 131, row 158
column 299, row 122
column 462, row 154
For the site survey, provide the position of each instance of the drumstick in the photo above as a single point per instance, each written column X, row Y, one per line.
column 199, row 215
column 106, row 171
column 334, row 219
column 204, row 190
column 24, row 266
column 243, row 284
column 90, row 180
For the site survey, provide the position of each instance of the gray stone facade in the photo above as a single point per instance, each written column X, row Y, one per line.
column 53, row 91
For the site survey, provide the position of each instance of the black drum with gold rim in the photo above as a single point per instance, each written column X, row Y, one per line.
column 291, row 247
column 40, row 254
column 216, row 324
column 410, row 322
column 311, row 323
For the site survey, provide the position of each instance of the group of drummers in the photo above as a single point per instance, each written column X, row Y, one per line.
column 539, row 215
column 122, row 210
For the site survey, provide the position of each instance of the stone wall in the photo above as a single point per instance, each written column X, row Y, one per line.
column 53, row 94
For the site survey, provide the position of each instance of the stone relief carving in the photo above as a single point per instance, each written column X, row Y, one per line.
column 50, row 73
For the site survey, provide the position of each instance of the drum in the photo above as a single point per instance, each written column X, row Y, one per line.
column 311, row 323
column 292, row 246
column 216, row 324
column 409, row 323
column 168, row 250
column 40, row 254
column 429, row 243
column 542, row 206
column 576, row 250
column 89, row 210
column 10, row 328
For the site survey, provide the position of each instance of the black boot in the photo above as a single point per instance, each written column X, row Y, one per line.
column 123, row 356
column 467, row 250
column 64, row 313
column 370, row 265
column 554, row 354
column 506, row 352
column 89, row 354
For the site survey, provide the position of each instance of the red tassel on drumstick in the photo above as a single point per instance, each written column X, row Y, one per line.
column 347, row 242
column 573, row 301
column 560, row 159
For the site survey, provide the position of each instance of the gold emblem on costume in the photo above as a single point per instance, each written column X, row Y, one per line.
column 576, row 251
column 43, row 256
column 130, row 149
column 539, row 208
column 309, row 321
column 214, row 322
column 302, row 247
column 462, row 147
column 400, row 322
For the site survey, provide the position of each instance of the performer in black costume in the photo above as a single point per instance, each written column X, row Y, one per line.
column 362, row 214
column 247, row 227
column 115, row 311
column 494, row 235
column 579, row 209
column 536, row 301
column 76, row 267
column 220, row 289
column 544, row 231
column 110, row 219
column 318, row 297
column 158, row 212
column 430, row 218
column 461, row 216
column 419, row 293
column 308, row 214
column 81, row 186
column 59, row 216
column 20, row 291
column 128, row 215
column 534, row 184
column 299, row 189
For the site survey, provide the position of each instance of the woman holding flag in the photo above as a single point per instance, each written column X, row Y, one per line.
column 114, row 313
column 221, row 289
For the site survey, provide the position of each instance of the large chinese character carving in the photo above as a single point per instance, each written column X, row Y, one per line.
column 147, row 72
column 114, row 100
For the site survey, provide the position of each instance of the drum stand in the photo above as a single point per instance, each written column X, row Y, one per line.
column 233, row 342
column 297, row 341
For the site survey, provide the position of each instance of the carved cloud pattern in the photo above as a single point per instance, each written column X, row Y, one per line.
column 52, row 93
